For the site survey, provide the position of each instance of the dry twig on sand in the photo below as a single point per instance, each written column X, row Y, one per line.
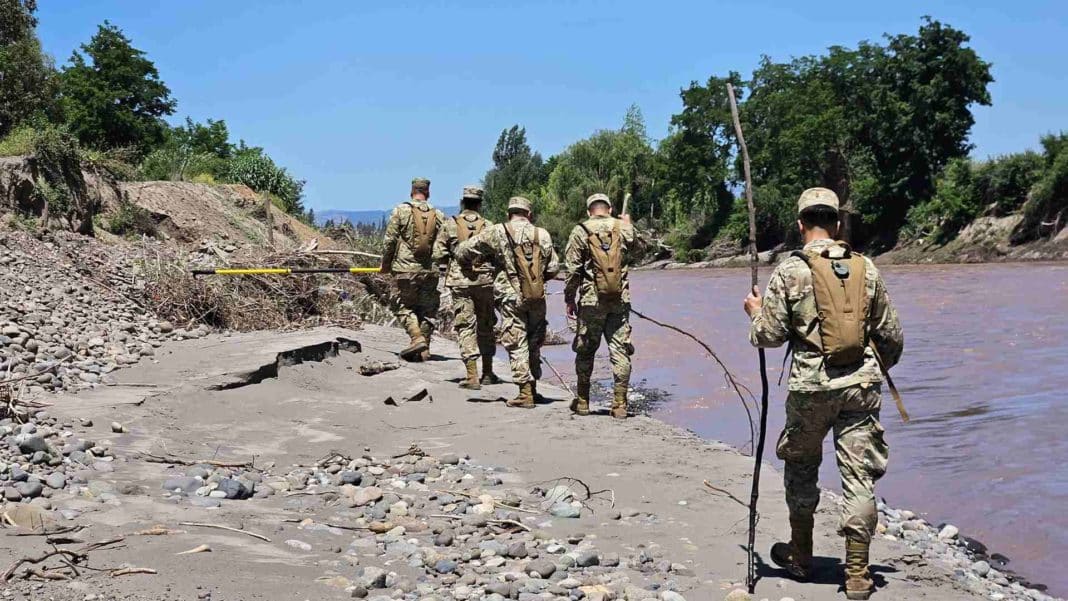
column 197, row 549
column 511, row 523
column 227, row 528
column 69, row 557
column 727, row 493
column 151, row 458
column 126, row 571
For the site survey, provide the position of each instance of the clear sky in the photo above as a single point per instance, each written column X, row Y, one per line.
column 358, row 97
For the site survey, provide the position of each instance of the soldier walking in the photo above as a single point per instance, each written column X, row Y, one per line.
column 831, row 305
column 523, row 259
column 597, row 259
column 472, row 290
column 410, row 236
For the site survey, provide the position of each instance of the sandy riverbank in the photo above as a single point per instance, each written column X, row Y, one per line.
column 312, row 425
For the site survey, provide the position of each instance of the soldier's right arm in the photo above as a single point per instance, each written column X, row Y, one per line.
column 479, row 246
column 885, row 327
column 445, row 242
column 771, row 325
column 389, row 252
column 633, row 245
column 573, row 262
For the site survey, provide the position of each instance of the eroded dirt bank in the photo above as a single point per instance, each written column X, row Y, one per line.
column 435, row 498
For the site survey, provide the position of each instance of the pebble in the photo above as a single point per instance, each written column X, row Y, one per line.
column 564, row 510
column 117, row 428
column 738, row 595
column 299, row 544
column 948, row 532
column 542, row 567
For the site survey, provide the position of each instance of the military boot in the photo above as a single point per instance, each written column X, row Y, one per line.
column 858, row 584
column 580, row 405
column 471, row 383
column 619, row 401
column 525, row 400
column 415, row 350
column 488, row 377
column 796, row 556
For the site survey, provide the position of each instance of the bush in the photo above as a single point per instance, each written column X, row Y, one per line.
column 176, row 163
column 1046, row 211
column 20, row 142
column 131, row 220
column 259, row 172
column 696, row 255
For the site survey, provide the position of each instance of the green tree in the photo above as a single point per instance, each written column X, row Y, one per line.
column 113, row 96
column 615, row 162
column 190, row 150
column 693, row 164
column 516, row 170
column 28, row 86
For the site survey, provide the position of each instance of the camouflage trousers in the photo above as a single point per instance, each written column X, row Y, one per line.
column 612, row 322
column 473, row 318
column 860, row 448
column 522, row 334
column 416, row 302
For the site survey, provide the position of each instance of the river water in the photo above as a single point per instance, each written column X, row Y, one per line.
column 984, row 376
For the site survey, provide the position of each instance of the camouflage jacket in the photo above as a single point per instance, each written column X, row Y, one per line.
column 460, row 276
column 579, row 263
column 788, row 314
column 398, row 256
column 491, row 246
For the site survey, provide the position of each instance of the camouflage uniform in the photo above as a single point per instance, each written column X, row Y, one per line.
column 524, row 321
column 823, row 398
column 416, row 298
column 472, row 293
column 599, row 317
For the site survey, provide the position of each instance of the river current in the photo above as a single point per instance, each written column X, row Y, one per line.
column 984, row 376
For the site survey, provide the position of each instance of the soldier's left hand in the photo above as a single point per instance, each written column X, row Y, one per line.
column 753, row 302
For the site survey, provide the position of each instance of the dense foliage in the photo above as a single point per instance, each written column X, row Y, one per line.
column 107, row 107
column 883, row 125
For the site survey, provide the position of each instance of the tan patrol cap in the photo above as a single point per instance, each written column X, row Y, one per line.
column 598, row 197
column 817, row 196
column 518, row 203
column 473, row 192
column 421, row 184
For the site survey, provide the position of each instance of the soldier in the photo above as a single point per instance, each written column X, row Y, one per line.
column 597, row 258
column 472, row 291
column 410, row 236
column 524, row 259
column 831, row 305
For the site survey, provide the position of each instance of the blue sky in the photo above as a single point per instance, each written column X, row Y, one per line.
column 357, row 97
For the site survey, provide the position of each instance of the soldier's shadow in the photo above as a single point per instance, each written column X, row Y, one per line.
column 825, row 570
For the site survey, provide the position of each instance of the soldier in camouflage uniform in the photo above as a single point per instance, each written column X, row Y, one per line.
column 406, row 256
column 472, row 291
column 599, row 315
column 822, row 398
column 524, row 318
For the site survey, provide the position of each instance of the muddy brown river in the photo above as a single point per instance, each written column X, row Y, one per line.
column 984, row 376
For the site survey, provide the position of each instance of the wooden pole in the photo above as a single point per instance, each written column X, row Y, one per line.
column 270, row 220
column 758, row 454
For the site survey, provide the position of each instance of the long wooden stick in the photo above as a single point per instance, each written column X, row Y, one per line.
column 228, row 528
column 758, row 456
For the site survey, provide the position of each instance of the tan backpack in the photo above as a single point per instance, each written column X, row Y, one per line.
column 606, row 251
column 424, row 229
column 527, row 265
column 468, row 225
column 841, row 304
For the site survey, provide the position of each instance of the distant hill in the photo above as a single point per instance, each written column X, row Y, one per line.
column 372, row 217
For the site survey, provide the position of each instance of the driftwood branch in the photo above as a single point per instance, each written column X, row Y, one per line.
column 151, row 458
column 227, row 528
column 739, row 388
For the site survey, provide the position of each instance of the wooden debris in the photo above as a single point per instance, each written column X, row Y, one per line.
column 227, row 528
column 126, row 571
column 197, row 549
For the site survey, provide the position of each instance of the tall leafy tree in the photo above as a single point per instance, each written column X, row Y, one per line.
column 516, row 170
column 692, row 167
column 28, row 84
column 113, row 96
